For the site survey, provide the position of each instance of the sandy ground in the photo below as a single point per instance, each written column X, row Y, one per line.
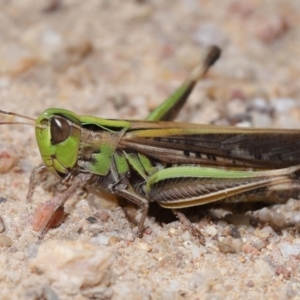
column 119, row 59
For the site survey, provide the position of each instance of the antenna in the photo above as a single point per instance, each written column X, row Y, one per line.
column 16, row 115
column 20, row 123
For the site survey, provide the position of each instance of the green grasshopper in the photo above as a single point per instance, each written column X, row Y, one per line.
column 178, row 165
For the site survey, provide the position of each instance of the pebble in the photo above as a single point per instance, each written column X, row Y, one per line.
column 281, row 270
column 264, row 215
column 102, row 215
column 249, row 249
column 258, row 243
column 211, row 230
column 226, row 248
column 193, row 248
column 262, row 268
column 143, row 246
column 266, row 232
column 186, row 236
column 172, row 231
column 101, row 239
column 74, row 264
column 250, row 283
column 5, row 241
column 276, row 254
column 288, row 249
column 45, row 212
column 279, row 218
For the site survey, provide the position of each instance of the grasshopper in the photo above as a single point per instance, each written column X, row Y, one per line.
column 178, row 165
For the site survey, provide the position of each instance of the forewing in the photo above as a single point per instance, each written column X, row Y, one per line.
column 185, row 143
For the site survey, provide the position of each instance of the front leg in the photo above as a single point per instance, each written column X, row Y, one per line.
column 47, row 213
column 32, row 181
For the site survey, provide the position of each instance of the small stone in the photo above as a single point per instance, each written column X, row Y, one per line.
column 264, row 215
column 259, row 243
column 249, row 249
column 278, row 218
column 266, row 232
column 188, row 245
column 143, row 246
column 91, row 220
column 3, row 200
column 281, row 270
column 113, row 240
column 74, row 264
column 288, row 249
column 186, row 236
column 225, row 248
column 262, row 268
column 102, row 239
column 250, row 283
column 147, row 231
column 102, row 215
column 276, row 254
column 45, row 215
column 231, row 231
column 5, row 241
column 211, row 230
column 172, row 231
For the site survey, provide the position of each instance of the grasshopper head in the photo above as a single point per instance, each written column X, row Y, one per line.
column 58, row 138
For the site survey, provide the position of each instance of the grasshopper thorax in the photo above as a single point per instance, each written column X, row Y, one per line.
column 58, row 133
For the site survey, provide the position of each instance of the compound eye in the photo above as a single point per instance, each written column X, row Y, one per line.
column 60, row 129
